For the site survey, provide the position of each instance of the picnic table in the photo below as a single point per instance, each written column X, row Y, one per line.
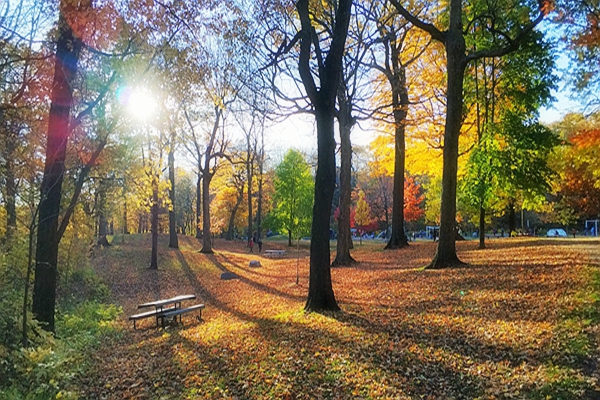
column 274, row 253
column 167, row 308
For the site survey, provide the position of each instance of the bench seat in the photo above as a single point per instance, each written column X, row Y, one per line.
column 180, row 311
column 275, row 253
column 147, row 314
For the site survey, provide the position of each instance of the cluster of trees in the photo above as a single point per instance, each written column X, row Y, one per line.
column 456, row 89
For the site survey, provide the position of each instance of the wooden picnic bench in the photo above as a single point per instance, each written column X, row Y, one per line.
column 166, row 308
column 274, row 253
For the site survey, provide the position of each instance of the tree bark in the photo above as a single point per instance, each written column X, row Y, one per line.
column 68, row 48
column 125, row 227
column 512, row 218
column 320, row 290
column 198, row 206
column 10, row 188
column 173, row 242
column 206, row 239
column 231, row 223
column 249, row 174
column 260, row 189
column 154, row 223
column 397, row 78
column 207, row 176
column 481, row 227
column 342, row 256
column 445, row 255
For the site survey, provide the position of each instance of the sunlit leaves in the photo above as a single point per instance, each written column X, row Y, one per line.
column 508, row 326
column 294, row 192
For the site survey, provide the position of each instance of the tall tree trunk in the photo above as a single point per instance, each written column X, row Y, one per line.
column 481, row 227
column 342, row 256
column 125, row 227
column 10, row 188
column 206, row 239
column 68, row 48
column 249, row 175
column 479, row 143
column 398, row 238
column 198, row 206
column 260, row 191
column 230, row 225
column 102, row 229
column 173, row 242
column 445, row 255
column 207, row 176
column 154, row 223
column 320, row 290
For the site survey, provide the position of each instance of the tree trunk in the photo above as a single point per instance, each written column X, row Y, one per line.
column 173, row 242
column 512, row 218
column 125, row 228
column 320, row 289
column 342, row 256
column 398, row 238
column 206, row 239
column 289, row 238
column 65, row 68
column 10, row 188
column 231, row 224
column 154, row 223
column 481, row 227
column 198, row 206
column 456, row 62
column 102, row 229
column 260, row 192
column 249, row 175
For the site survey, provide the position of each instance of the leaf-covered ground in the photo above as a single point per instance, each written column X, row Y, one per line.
column 521, row 321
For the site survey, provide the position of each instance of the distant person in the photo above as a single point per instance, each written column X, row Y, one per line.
column 251, row 244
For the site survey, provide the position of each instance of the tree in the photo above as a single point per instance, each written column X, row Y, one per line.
column 294, row 187
column 173, row 242
column 398, row 54
column 184, row 202
column 503, row 90
column 579, row 21
column 363, row 212
column 68, row 47
column 509, row 27
column 352, row 94
column 322, row 99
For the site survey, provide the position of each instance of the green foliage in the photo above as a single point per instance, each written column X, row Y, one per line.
column 522, row 158
column 293, row 198
column 47, row 366
column 511, row 157
column 83, row 285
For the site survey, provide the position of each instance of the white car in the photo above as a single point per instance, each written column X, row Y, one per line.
column 556, row 233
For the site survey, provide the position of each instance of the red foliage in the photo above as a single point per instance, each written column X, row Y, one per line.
column 413, row 200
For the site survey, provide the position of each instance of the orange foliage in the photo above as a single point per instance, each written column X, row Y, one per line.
column 495, row 329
